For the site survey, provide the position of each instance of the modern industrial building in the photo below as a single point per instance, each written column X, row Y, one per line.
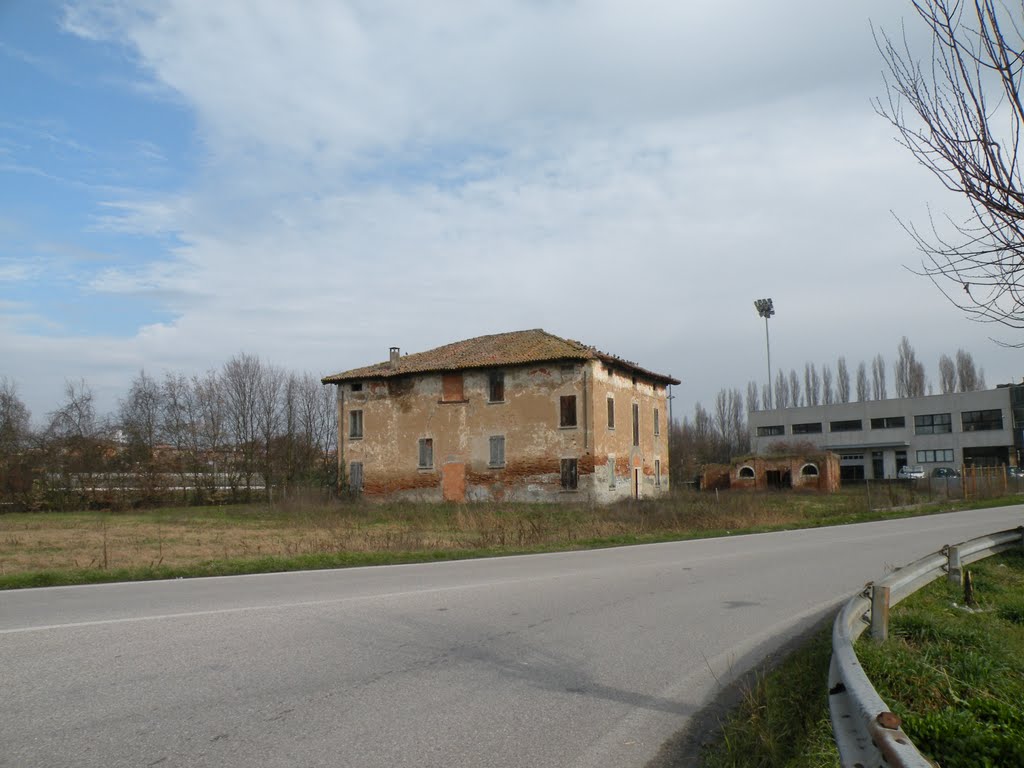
column 875, row 438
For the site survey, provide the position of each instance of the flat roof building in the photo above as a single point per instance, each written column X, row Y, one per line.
column 875, row 438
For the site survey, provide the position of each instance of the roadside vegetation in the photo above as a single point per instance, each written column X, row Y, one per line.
column 52, row 548
column 954, row 675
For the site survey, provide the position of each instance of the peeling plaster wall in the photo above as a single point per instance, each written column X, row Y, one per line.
column 398, row 413
column 614, row 446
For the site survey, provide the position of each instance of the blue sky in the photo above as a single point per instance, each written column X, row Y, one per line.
column 182, row 181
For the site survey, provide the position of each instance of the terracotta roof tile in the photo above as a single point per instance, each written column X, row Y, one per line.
column 501, row 349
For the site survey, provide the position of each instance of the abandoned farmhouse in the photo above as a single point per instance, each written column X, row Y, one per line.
column 875, row 438
column 520, row 416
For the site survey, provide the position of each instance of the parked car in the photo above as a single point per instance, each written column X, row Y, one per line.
column 945, row 472
column 1017, row 473
column 910, row 473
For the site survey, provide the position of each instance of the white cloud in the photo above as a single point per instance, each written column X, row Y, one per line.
column 378, row 173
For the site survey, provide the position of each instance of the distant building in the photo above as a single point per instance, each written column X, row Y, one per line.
column 524, row 416
column 875, row 438
column 810, row 472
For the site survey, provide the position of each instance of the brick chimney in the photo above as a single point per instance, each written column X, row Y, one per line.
column 394, row 357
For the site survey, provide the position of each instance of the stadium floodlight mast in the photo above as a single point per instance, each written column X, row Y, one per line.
column 766, row 309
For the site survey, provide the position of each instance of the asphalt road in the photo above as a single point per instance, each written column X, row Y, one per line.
column 575, row 660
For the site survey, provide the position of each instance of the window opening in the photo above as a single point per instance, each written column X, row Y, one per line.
column 846, row 425
column 933, row 424
column 497, row 451
column 426, row 453
column 355, row 424
column 568, row 411
column 570, row 477
column 355, row 477
column 496, row 387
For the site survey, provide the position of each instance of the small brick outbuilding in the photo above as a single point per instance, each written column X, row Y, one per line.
column 819, row 472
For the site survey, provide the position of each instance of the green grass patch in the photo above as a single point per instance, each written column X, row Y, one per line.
column 782, row 720
column 956, row 676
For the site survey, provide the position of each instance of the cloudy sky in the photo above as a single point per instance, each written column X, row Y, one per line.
column 313, row 182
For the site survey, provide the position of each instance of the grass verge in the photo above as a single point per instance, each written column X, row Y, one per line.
column 782, row 719
column 955, row 677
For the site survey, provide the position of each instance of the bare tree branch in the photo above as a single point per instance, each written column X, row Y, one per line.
column 960, row 116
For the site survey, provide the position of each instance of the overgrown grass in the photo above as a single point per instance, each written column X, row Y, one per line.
column 52, row 548
column 782, row 720
column 956, row 676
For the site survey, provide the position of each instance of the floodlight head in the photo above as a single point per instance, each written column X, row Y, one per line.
column 764, row 308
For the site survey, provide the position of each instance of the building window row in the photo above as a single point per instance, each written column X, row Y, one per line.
column 977, row 421
column 933, row 424
column 846, row 425
column 939, row 454
column 888, row 422
column 926, row 424
column 809, row 428
column 452, row 392
column 568, row 468
column 496, row 457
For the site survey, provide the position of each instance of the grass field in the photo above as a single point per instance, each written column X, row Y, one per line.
column 39, row 549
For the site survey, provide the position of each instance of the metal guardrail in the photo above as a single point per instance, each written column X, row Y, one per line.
column 867, row 734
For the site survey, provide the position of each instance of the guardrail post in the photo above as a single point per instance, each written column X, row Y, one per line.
column 879, row 613
column 954, row 568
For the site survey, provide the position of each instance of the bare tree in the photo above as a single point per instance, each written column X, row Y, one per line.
column 960, row 115
column 812, row 384
column 270, row 421
column 794, row 389
column 826, row 385
column 752, row 397
column 15, row 469
column 947, row 375
column 140, row 417
column 842, row 381
column 76, row 416
column 240, row 382
column 878, row 378
column 781, row 390
column 766, row 396
column 918, row 381
column 739, row 433
column 862, row 383
column 966, row 372
column 181, row 425
column 909, row 371
column 14, row 419
column 318, row 416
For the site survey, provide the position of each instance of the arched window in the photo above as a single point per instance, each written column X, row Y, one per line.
column 746, row 473
column 809, row 470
